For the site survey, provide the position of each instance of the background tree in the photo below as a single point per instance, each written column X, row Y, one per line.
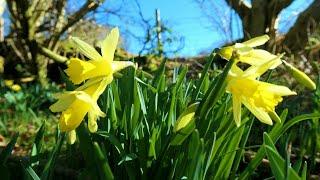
column 37, row 27
column 261, row 17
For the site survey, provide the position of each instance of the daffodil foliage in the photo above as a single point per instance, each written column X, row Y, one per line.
column 173, row 127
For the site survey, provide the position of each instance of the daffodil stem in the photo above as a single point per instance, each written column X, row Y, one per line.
column 102, row 163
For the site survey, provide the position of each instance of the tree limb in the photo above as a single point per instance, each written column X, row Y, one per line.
column 239, row 7
column 87, row 7
column 280, row 5
column 52, row 55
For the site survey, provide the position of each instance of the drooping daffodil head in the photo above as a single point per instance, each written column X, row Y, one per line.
column 259, row 97
column 247, row 54
column 74, row 105
column 99, row 64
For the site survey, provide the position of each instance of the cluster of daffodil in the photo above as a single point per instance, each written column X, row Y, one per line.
column 96, row 74
column 10, row 84
column 259, row 97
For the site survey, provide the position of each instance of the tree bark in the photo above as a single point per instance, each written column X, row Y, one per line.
column 297, row 37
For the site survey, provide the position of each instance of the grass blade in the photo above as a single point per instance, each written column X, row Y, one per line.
column 30, row 171
column 48, row 169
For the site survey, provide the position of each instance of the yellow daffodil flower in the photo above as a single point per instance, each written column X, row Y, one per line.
column 16, row 87
column 99, row 73
column 8, row 82
column 98, row 65
column 249, row 55
column 259, row 97
column 76, row 104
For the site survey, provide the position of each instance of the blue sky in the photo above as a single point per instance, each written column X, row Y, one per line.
column 186, row 20
column 184, row 17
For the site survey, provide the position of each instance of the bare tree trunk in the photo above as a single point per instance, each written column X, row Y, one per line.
column 261, row 19
column 32, row 23
column 297, row 37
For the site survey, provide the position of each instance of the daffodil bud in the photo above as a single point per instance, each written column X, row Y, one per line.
column 185, row 118
column 300, row 76
column 184, row 125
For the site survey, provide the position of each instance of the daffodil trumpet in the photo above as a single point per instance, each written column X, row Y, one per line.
column 98, row 65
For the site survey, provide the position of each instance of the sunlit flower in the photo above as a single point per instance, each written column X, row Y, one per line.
column 98, row 65
column 15, row 87
column 8, row 82
column 260, row 98
column 249, row 55
column 74, row 105
column 98, row 73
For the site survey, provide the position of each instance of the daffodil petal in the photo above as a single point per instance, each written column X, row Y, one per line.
column 235, row 71
column 258, row 57
column 96, row 89
column 86, row 49
column 83, row 96
column 68, row 98
column 92, row 123
column 256, row 71
column 242, row 49
column 72, row 136
column 72, row 117
column 119, row 65
column 236, row 104
column 109, row 44
column 257, row 41
column 278, row 90
column 89, row 83
column 93, row 116
column 65, row 100
column 259, row 113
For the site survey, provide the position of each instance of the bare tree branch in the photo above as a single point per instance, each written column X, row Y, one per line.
column 90, row 5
